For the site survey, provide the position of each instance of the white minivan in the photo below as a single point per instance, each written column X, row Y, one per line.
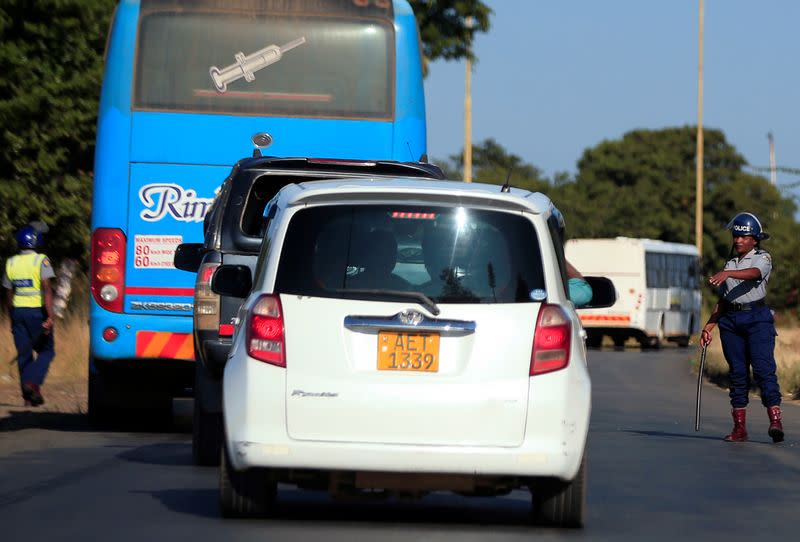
column 407, row 336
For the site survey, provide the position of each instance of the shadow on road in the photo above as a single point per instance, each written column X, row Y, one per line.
column 54, row 421
column 153, row 421
column 316, row 511
column 436, row 509
column 194, row 502
column 671, row 435
column 165, row 453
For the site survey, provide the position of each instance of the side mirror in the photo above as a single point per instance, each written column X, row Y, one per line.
column 232, row 281
column 604, row 294
column 188, row 256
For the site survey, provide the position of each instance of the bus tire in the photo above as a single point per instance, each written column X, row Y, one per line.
column 158, row 414
column 245, row 494
column 562, row 504
column 594, row 339
column 653, row 341
column 683, row 341
column 619, row 340
column 98, row 411
column 106, row 411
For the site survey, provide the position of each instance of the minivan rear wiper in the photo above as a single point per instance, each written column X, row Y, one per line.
column 394, row 295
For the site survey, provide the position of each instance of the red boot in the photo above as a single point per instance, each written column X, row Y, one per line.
column 775, row 425
column 36, row 395
column 739, row 433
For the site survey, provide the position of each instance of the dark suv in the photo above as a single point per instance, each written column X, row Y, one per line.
column 233, row 229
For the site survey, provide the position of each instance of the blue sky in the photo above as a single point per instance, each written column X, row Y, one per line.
column 556, row 77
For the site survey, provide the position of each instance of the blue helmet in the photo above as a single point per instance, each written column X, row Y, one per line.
column 747, row 224
column 29, row 237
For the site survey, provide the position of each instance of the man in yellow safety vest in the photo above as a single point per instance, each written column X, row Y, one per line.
column 29, row 294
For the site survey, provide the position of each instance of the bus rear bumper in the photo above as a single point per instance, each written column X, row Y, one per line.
column 174, row 339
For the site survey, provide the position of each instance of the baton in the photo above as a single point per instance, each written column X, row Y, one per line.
column 699, row 389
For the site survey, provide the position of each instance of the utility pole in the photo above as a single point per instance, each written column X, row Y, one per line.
column 698, row 219
column 773, row 170
column 468, row 22
column 468, row 123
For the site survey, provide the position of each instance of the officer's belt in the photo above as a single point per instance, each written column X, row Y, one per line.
column 735, row 307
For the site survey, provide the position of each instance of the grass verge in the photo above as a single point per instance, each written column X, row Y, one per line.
column 787, row 360
column 71, row 344
column 72, row 354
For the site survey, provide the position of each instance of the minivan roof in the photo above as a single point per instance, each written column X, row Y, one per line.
column 343, row 191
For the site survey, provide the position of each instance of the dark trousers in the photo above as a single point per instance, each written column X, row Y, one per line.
column 26, row 325
column 748, row 340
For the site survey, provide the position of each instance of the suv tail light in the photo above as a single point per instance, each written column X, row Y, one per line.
column 108, row 268
column 265, row 339
column 206, row 302
column 551, row 340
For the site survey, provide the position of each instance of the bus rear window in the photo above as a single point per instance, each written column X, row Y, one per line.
column 311, row 66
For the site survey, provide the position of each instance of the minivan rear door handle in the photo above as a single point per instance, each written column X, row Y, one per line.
column 409, row 321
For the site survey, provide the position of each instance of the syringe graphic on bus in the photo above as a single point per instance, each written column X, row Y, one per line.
column 246, row 66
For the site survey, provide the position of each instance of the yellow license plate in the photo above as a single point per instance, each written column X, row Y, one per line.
column 408, row 351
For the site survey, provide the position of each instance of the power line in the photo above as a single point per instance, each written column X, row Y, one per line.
column 790, row 170
column 789, row 185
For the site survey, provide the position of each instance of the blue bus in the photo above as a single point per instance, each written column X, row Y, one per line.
column 189, row 86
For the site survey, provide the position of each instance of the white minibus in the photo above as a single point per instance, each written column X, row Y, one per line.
column 658, row 289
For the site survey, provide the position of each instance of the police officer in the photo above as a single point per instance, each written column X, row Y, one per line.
column 746, row 325
column 30, row 299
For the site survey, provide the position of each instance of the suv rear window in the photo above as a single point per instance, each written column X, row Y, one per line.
column 451, row 254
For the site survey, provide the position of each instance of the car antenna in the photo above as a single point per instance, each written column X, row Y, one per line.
column 411, row 154
column 507, row 187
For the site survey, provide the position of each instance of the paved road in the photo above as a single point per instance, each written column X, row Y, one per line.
column 651, row 477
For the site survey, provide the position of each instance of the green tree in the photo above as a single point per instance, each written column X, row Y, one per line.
column 51, row 58
column 51, row 61
column 448, row 27
column 644, row 186
column 492, row 164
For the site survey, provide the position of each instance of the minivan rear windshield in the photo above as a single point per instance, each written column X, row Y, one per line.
column 450, row 254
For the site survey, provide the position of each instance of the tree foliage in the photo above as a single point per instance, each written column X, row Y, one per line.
column 51, row 57
column 448, row 27
column 641, row 185
column 51, row 61
column 644, row 186
column 492, row 164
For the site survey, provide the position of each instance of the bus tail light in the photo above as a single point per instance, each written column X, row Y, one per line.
column 206, row 302
column 265, row 337
column 551, row 340
column 108, row 268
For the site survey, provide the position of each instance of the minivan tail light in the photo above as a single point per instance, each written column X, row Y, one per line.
column 265, row 337
column 108, row 268
column 551, row 340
